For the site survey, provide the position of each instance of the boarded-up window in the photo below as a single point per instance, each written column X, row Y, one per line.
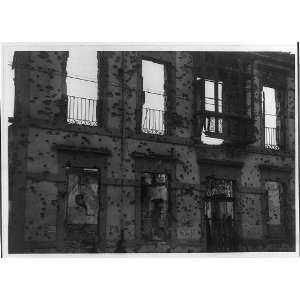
column 155, row 204
column 82, row 201
column 274, row 190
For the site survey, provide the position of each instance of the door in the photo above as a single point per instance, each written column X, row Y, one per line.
column 219, row 216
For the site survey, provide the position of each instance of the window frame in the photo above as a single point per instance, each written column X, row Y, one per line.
column 70, row 157
column 82, row 171
column 268, row 173
column 280, row 117
column 168, row 211
column 141, row 98
column 214, row 66
column 216, row 111
column 154, row 164
column 275, row 231
column 101, row 101
column 277, row 79
column 281, row 192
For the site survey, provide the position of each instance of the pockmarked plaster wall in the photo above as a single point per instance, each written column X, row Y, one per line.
column 36, row 170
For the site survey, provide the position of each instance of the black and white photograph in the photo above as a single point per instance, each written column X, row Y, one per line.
column 151, row 151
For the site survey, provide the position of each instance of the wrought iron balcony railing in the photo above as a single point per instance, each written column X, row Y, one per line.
column 232, row 128
column 153, row 121
column 272, row 138
column 82, row 111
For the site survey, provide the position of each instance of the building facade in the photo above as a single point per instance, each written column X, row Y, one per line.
column 178, row 152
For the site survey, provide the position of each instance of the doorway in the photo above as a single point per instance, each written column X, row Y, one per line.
column 219, row 215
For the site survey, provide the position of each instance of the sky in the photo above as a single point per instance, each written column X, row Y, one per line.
column 153, row 81
column 270, row 107
column 82, row 63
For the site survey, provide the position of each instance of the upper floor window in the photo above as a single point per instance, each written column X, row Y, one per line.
column 214, row 103
column 271, row 118
column 82, row 87
column 154, row 97
column 222, row 98
column 213, row 106
column 213, row 96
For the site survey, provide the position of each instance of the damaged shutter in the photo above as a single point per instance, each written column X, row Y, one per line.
column 279, row 129
column 140, row 97
column 199, row 105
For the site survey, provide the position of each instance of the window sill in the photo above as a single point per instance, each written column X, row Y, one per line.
column 159, row 138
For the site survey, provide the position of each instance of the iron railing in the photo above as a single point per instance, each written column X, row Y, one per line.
column 230, row 127
column 153, row 121
column 82, row 111
column 272, row 138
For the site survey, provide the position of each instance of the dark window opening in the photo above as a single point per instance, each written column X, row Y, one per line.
column 154, row 97
column 82, row 87
column 270, row 108
column 219, row 215
column 82, row 197
column 155, row 206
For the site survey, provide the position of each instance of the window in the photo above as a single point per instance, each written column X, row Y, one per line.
column 155, row 206
column 273, row 190
column 82, row 198
column 153, row 113
column 82, row 87
column 270, row 108
column 213, row 105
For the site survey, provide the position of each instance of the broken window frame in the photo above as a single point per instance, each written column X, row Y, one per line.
column 146, row 216
column 162, row 122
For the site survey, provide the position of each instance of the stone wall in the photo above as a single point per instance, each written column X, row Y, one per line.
column 40, row 129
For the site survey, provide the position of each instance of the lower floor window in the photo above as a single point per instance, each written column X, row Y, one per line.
column 82, row 198
column 273, row 190
column 155, row 206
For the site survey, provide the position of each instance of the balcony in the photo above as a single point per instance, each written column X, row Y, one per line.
column 81, row 111
column 153, row 121
column 232, row 128
column 272, row 138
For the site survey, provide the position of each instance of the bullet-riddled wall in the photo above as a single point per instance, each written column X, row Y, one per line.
column 44, row 144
